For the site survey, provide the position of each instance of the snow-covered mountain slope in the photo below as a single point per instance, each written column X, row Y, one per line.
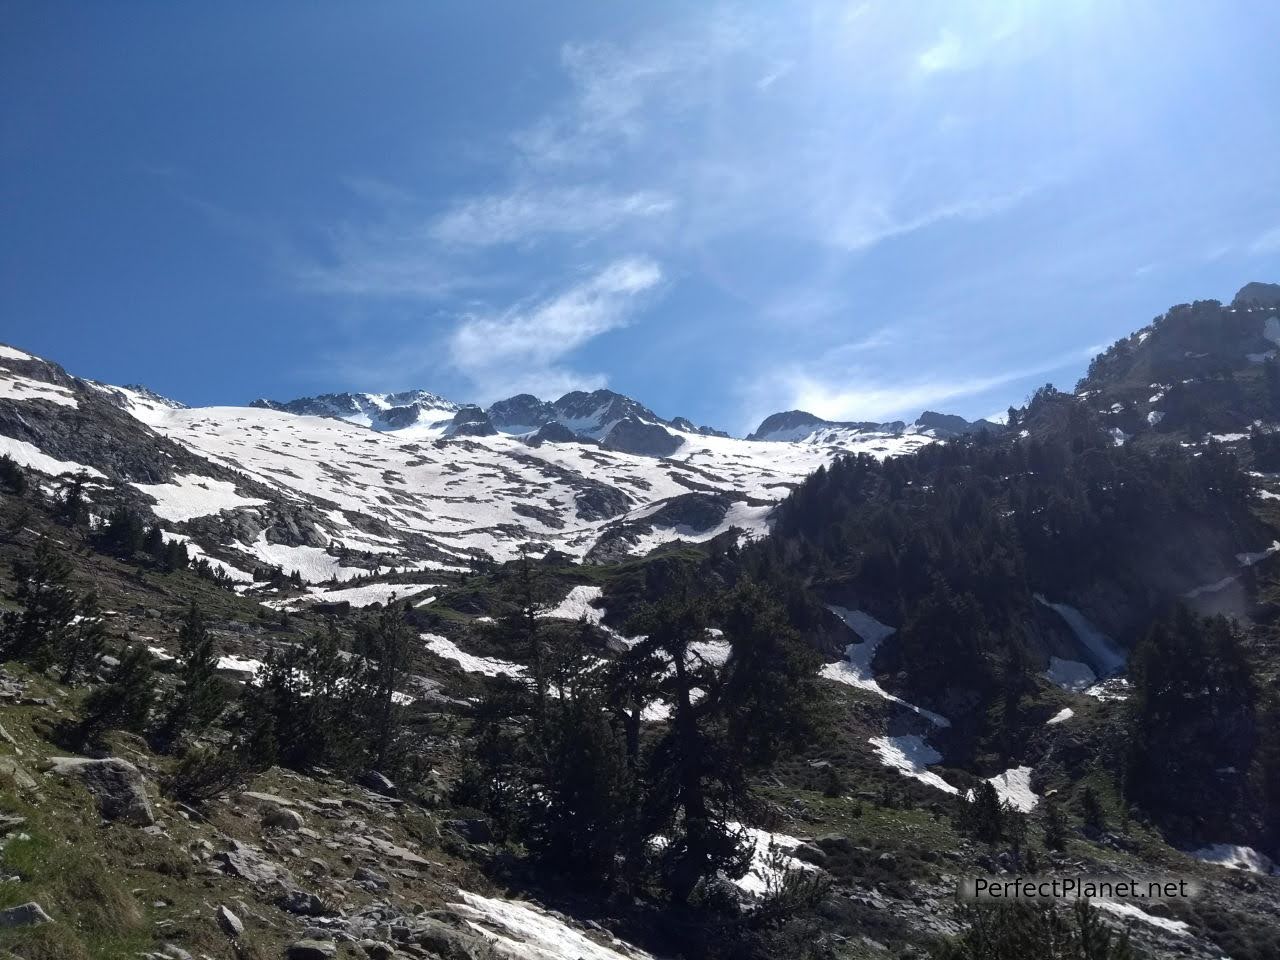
column 609, row 418
column 332, row 496
column 417, row 412
column 801, row 426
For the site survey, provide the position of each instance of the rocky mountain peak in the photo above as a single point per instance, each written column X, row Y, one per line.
column 1258, row 294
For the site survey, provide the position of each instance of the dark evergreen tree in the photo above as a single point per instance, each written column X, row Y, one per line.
column 315, row 696
column 983, row 816
column 124, row 702
column 43, row 626
column 13, row 479
column 81, row 643
column 384, row 640
column 198, row 698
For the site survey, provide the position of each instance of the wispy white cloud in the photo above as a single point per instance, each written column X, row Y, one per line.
column 528, row 212
column 869, row 221
column 775, row 74
column 946, row 53
column 1267, row 242
column 858, row 393
column 521, row 349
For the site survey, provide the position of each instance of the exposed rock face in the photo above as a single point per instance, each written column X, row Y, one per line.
column 471, row 422
column 11, row 771
column 522, row 413
column 473, row 831
column 554, row 432
column 1258, row 294
column 692, row 512
column 381, row 411
column 116, row 784
column 311, row 950
column 26, row 915
column 633, row 435
column 943, row 425
column 787, row 424
column 284, row 818
column 600, row 501
column 232, row 925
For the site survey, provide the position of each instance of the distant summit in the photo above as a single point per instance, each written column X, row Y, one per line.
column 1257, row 294
column 800, row 425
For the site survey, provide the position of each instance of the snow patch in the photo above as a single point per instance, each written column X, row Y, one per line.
column 577, row 606
column 1235, row 857
column 1066, row 713
column 190, row 496
column 489, row 666
column 28, row 455
column 770, row 860
column 1014, row 788
column 9, row 353
column 855, row 669
column 523, row 931
column 910, row 756
column 1108, row 658
column 313, row 564
column 1129, row 912
column 14, row 387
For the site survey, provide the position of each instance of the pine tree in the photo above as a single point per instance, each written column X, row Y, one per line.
column 40, row 629
column 697, row 782
column 12, row 477
column 1055, row 825
column 313, row 693
column 81, row 643
column 198, row 698
column 384, row 640
column 73, row 508
column 1095, row 817
column 123, row 534
column 768, row 688
column 983, row 817
column 125, row 702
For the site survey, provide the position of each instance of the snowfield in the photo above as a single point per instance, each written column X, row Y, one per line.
column 28, row 455
column 14, row 387
column 489, row 494
column 192, row 496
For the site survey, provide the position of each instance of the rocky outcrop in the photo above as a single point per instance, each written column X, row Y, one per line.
column 471, row 422
column 25, row 915
column 522, row 413
column 633, row 435
column 1258, row 295
column 116, row 785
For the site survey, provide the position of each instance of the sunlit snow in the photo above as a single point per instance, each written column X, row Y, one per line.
column 490, row 667
column 910, row 756
column 523, row 931
column 855, row 669
column 190, row 496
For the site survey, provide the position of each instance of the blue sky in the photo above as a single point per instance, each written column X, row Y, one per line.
column 862, row 209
